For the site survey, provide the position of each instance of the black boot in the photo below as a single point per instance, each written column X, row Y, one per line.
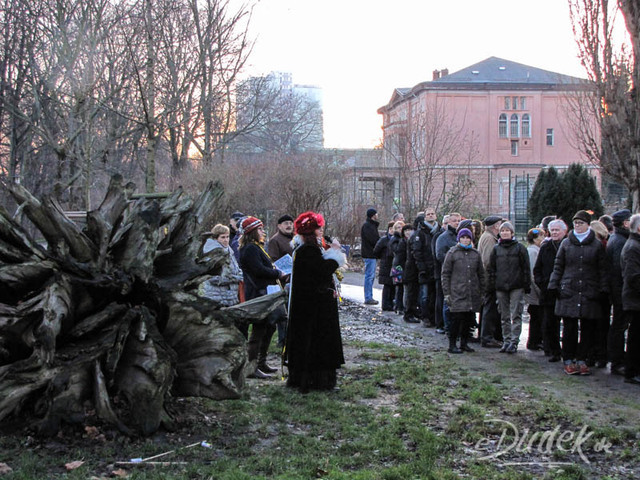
column 464, row 346
column 452, row 346
column 265, row 367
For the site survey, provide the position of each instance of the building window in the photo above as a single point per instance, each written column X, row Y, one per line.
column 523, row 103
column 526, row 125
column 550, row 137
column 514, row 103
column 507, row 103
column 515, row 126
column 502, row 125
column 514, row 148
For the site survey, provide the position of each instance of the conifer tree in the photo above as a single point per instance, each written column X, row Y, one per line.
column 564, row 194
column 579, row 193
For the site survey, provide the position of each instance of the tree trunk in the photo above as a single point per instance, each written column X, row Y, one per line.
column 109, row 316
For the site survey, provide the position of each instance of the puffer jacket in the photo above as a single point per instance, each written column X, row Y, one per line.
column 222, row 288
column 630, row 260
column 580, row 277
column 509, row 267
column 463, row 279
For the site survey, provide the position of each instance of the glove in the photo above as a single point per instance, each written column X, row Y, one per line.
column 527, row 290
column 284, row 278
column 422, row 277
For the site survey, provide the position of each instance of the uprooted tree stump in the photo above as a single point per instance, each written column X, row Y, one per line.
column 107, row 318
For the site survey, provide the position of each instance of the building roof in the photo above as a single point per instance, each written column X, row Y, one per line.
column 493, row 73
column 499, row 70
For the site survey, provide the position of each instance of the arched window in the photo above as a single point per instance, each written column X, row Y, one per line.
column 526, row 125
column 502, row 125
column 515, row 126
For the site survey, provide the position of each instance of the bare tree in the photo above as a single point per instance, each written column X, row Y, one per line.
column 606, row 119
column 89, row 88
column 429, row 147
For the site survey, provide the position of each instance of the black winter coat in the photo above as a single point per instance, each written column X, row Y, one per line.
column 400, row 253
column 410, row 268
column 463, row 279
column 509, row 267
column 580, row 277
column 384, row 253
column 369, row 236
column 314, row 342
column 258, row 271
column 422, row 254
column 437, row 264
column 543, row 268
column 614, row 250
column 630, row 259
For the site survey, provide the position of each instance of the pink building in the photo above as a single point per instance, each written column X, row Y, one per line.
column 475, row 140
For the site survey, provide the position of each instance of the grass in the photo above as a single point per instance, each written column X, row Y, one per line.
column 399, row 414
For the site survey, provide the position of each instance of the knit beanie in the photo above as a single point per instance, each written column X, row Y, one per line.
column 464, row 232
column 582, row 215
column 251, row 223
column 509, row 226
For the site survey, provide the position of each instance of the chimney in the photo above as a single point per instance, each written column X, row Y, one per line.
column 436, row 74
column 444, row 72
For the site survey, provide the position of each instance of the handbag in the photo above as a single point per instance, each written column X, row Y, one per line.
column 396, row 274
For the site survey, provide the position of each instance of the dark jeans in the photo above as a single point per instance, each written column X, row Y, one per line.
column 388, row 292
column 585, row 328
column 427, row 302
column 399, row 303
column 615, row 339
column 632, row 363
column 551, row 330
column 411, row 291
column 490, row 319
column 535, row 326
column 439, row 301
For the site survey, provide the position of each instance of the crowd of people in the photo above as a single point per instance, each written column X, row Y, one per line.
column 308, row 327
column 581, row 286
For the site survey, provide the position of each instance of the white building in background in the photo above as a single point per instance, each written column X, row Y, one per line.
column 276, row 115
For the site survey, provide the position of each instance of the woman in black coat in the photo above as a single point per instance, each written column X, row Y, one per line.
column 384, row 253
column 580, row 281
column 399, row 261
column 314, row 346
column 258, row 271
column 542, row 273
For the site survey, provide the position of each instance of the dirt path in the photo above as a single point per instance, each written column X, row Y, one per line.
column 606, row 399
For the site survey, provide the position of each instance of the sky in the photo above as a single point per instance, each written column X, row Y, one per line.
column 359, row 51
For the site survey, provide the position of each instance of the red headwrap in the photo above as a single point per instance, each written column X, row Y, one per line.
column 308, row 222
